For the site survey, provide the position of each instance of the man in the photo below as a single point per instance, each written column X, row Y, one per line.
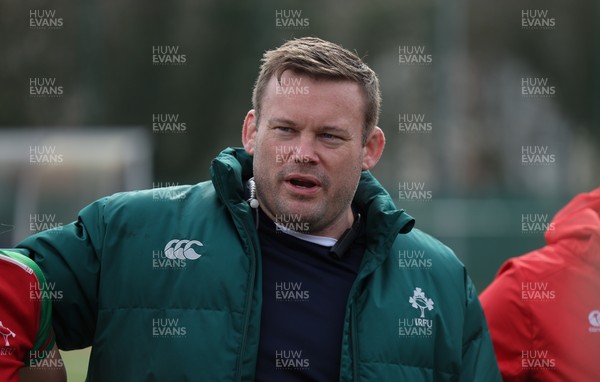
column 27, row 348
column 544, row 308
column 285, row 267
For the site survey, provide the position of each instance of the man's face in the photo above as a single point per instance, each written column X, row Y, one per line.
column 308, row 151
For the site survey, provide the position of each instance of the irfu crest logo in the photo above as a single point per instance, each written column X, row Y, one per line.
column 420, row 301
column 417, row 326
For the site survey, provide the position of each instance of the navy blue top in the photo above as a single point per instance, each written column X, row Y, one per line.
column 305, row 290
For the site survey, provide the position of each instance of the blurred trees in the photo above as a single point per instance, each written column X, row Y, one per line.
column 102, row 57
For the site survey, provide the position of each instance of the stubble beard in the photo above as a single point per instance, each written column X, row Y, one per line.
column 317, row 215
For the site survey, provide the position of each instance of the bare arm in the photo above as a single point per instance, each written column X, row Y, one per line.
column 49, row 369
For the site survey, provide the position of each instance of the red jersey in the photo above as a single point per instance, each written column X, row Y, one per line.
column 25, row 315
column 543, row 308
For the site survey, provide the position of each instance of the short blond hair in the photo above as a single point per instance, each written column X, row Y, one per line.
column 320, row 59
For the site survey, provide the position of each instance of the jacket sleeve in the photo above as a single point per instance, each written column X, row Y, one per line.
column 70, row 258
column 508, row 320
column 478, row 359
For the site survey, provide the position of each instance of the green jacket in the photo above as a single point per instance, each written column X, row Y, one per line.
column 165, row 285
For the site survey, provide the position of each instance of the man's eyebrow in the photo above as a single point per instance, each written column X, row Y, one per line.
column 334, row 129
column 281, row 121
column 323, row 129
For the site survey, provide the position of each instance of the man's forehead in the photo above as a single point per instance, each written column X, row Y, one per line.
column 316, row 78
column 300, row 85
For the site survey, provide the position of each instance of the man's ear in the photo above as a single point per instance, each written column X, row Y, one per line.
column 249, row 132
column 373, row 148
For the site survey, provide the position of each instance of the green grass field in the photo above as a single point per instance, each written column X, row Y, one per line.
column 76, row 362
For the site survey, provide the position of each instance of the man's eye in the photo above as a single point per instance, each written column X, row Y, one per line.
column 329, row 136
column 284, row 129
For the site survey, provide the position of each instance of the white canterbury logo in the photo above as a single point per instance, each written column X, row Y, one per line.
column 174, row 250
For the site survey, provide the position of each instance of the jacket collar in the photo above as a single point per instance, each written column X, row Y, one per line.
column 229, row 171
column 233, row 166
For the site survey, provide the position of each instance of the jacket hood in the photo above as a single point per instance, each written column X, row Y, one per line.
column 233, row 166
column 577, row 225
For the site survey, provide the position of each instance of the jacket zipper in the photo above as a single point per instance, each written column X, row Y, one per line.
column 252, row 275
column 353, row 320
column 247, row 310
column 353, row 341
column 248, row 303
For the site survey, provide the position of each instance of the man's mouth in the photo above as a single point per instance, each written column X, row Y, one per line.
column 302, row 181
